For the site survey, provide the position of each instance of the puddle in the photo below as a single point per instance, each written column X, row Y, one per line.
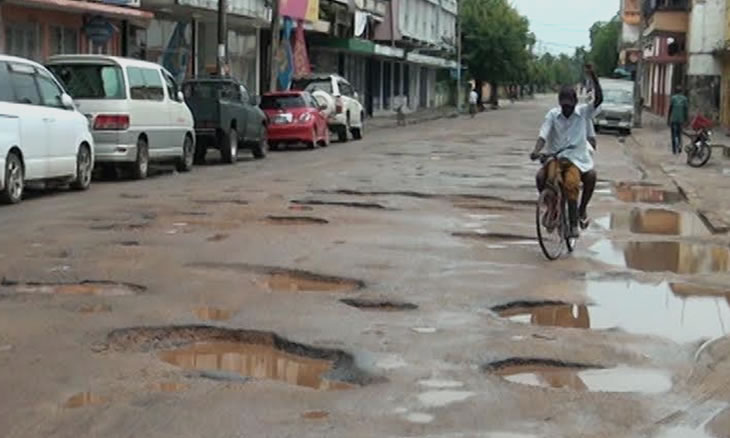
column 352, row 204
column 378, row 305
column 656, row 221
column 84, row 399
column 296, row 220
column 86, row 287
column 315, row 415
column 441, row 398
column 253, row 360
column 586, row 378
column 664, row 256
column 551, row 315
column 645, row 193
column 206, row 313
column 419, row 417
column 291, row 280
column 504, row 237
column 437, row 383
column 236, row 355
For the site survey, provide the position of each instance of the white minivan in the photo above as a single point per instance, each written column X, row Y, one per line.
column 42, row 135
column 136, row 112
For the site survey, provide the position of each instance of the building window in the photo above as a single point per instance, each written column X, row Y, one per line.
column 64, row 40
column 23, row 40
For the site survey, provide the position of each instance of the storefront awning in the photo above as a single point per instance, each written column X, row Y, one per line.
column 106, row 10
column 354, row 45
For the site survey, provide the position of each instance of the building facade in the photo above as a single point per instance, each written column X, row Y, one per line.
column 629, row 50
column 706, row 38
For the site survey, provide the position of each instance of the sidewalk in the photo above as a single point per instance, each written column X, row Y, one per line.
column 412, row 118
column 707, row 189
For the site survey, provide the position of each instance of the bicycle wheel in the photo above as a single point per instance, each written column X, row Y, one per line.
column 698, row 156
column 549, row 228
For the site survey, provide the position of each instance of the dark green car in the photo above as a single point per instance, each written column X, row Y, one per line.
column 227, row 118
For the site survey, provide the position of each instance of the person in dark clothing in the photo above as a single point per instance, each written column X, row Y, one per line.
column 677, row 118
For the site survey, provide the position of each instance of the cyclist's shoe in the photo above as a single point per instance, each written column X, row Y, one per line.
column 584, row 222
column 574, row 232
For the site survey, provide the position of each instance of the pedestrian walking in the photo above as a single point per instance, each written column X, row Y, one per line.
column 473, row 98
column 678, row 117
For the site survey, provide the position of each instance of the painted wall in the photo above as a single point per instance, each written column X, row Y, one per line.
column 630, row 33
column 706, row 35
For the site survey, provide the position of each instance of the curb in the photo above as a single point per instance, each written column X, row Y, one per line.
column 416, row 121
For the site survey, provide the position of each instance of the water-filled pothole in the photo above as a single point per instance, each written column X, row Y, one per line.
column 379, row 305
column 296, row 220
column 581, row 377
column 84, row 399
column 220, row 201
column 247, row 353
column 291, row 280
column 646, row 193
column 664, row 256
column 86, row 287
column 546, row 313
column 207, row 313
column 352, row 204
column 656, row 221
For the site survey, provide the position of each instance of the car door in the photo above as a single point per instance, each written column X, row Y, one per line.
column 62, row 127
column 320, row 121
column 252, row 116
column 179, row 119
column 33, row 131
column 231, row 95
column 350, row 103
column 149, row 114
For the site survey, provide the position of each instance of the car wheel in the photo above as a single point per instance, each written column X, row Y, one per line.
column 185, row 163
column 14, row 183
column 229, row 149
column 142, row 163
column 84, row 168
column 259, row 151
column 357, row 132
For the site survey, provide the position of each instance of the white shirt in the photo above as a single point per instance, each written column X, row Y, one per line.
column 473, row 97
column 570, row 135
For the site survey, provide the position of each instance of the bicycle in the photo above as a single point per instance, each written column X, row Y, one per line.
column 699, row 150
column 551, row 216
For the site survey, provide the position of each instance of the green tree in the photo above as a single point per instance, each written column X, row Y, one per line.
column 604, row 46
column 495, row 38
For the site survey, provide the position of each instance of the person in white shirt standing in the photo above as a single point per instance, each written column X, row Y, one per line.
column 473, row 98
column 565, row 131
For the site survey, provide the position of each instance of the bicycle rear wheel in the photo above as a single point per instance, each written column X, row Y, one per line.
column 698, row 156
column 548, row 219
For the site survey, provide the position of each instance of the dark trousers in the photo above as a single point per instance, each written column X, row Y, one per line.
column 676, row 138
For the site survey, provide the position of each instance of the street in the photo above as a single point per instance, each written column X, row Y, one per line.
column 389, row 287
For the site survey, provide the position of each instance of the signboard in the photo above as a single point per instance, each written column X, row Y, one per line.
column 300, row 9
column 99, row 30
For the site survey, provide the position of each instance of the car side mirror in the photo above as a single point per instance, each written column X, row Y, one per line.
column 67, row 102
column 180, row 96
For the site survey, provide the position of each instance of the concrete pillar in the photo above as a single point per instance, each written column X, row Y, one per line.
column 381, row 104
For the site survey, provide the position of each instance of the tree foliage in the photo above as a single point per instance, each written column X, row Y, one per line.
column 604, row 46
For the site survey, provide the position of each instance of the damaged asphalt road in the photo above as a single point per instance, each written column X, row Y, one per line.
column 390, row 287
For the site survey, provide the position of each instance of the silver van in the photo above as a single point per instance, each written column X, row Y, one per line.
column 136, row 112
column 617, row 109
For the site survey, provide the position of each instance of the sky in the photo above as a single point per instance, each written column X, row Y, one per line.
column 562, row 25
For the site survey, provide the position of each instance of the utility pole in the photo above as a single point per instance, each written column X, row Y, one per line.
column 275, row 41
column 638, row 101
column 222, row 36
column 458, row 56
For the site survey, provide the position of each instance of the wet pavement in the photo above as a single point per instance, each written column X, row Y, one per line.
column 365, row 290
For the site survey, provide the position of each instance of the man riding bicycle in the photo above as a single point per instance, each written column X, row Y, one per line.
column 565, row 131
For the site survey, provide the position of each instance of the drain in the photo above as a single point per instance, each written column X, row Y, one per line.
column 291, row 280
column 86, row 287
column 296, row 220
column 248, row 353
column 379, row 305
column 493, row 236
column 352, row 204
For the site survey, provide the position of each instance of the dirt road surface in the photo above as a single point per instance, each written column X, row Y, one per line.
column 390, row 287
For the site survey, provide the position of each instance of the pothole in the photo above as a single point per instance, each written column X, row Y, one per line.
column 656, row 221
column 220, row 201
column 290, row 280
column 351, row 204
column 296, row 220
column 379, row 305
column 84, row 399
column 86, row 287
column 95, row 308
column 120, row 226
column 646, row 193
column 315, row 415
column 128, row 243
column 664, row 256
column 503, row 237
column 168, row 387
column 248, row 353
column 207, row 313
column 548, row 373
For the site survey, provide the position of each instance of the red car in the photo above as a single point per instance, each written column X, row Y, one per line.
column 295, row 117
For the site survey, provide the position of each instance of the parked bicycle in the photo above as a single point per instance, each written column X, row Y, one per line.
column 699, row 150
column 551, row 216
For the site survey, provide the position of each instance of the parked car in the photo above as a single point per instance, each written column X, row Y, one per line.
column 136, row 112
column 42, row 135
column 346, row 113
column 617, row 109
column 295, row 117
column 227, row 118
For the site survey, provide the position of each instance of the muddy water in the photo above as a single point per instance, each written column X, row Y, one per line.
column 656, row 221
column 664, row 256
column 84, row 399
column 252, row 360
column 646, row 194
column 620, row 379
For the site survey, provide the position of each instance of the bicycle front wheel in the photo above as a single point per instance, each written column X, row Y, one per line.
column 548, row 219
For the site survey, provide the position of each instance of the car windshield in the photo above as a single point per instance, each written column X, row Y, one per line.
column 202, row 90
column 313, row 85
column 283, row 102
column 619, row 97
column 91, row 81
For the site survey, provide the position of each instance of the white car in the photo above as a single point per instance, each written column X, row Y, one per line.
column 345, row 112
column 136, row 111
column 42, row 135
